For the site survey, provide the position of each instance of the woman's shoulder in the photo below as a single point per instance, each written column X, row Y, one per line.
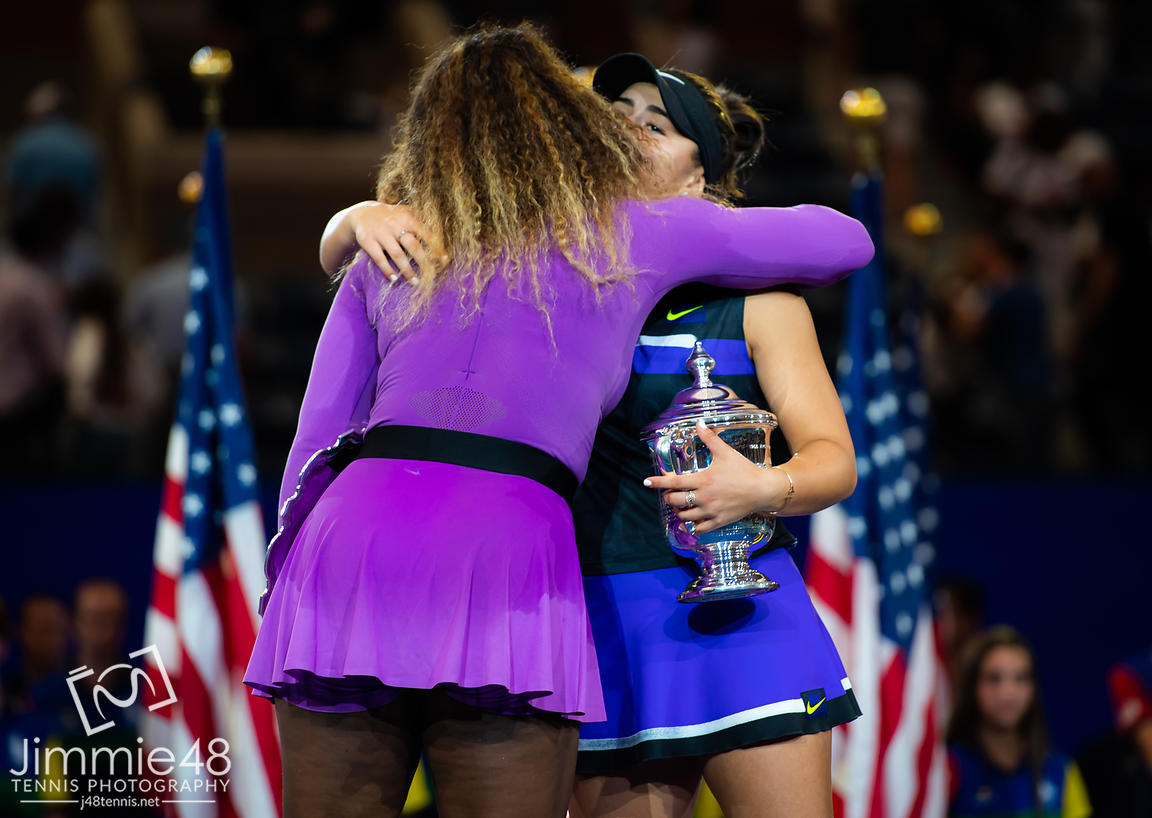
column 676, row 207
column 362, row 276
column 962, row 754
column 372, row 286
column 1056, row 764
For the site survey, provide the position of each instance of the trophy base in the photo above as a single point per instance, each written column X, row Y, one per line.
column 707, row 588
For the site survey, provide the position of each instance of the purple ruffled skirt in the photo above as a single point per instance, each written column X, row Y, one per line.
column 411, row 574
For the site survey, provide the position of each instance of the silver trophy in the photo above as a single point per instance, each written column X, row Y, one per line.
column 676, row 449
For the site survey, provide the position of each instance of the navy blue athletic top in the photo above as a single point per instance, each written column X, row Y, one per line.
column 618, row 526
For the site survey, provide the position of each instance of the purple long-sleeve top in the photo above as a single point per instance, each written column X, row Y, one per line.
column 499, row 373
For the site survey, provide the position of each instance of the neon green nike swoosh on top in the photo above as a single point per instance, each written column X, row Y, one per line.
column 812, row 708
column 672, row 316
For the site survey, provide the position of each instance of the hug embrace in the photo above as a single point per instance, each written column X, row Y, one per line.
column 469, row 565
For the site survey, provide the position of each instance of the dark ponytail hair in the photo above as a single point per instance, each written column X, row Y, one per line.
column 964, row 726
column 741, row 133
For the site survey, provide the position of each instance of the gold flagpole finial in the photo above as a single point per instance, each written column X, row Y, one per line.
column 923, row 220
column 865, row 109
column 211, row 68
column 190, row 188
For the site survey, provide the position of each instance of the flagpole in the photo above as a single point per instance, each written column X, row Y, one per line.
column 890, row 761
column 208, row 558
column 865, row 110
column 211, row 68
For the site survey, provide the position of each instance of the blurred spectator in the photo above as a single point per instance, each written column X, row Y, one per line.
column 1040, row 173
column 51, row 186
column 1112, row 290
column 52, row 152
column 101, row 620
column 13, row 732
column 114, row 389
column 33, row 333
column 991, row 371
column 1118, row 767
column 1000, row 760
column 959, row 603
column 35, row 679
column 1060, row 191
column 101, row 616
column 53, row 166
column 154, row 310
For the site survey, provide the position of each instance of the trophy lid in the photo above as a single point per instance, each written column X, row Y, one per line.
column 705, row 400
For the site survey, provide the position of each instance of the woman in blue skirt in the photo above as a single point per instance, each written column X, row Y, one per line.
column 743, row 693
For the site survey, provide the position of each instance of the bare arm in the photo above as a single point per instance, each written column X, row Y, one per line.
column 390, row 235
column 790, row 368
column 782, row 343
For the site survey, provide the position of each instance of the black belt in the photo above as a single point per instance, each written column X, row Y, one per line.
column 467, row 449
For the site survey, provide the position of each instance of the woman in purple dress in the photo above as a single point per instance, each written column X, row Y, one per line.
column 427, row 594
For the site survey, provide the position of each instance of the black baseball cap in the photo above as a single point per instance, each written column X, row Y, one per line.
column 688, row 109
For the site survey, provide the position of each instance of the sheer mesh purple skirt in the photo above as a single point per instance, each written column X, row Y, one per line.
column 417, row 575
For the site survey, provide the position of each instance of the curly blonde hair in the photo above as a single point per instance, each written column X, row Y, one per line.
column 504, row 154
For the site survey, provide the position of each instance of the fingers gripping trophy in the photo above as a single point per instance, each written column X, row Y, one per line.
column 676, row 448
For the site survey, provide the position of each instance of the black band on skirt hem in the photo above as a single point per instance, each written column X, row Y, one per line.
column 840, row 710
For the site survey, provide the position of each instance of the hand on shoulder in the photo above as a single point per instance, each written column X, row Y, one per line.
column 390, row 234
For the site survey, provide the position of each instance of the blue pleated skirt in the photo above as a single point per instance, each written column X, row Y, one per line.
column 683, row 679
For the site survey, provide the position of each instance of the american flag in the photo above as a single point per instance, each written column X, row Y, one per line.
column 208, row 558
column 868, row 562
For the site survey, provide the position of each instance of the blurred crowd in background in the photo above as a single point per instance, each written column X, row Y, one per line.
column 1019, row 121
